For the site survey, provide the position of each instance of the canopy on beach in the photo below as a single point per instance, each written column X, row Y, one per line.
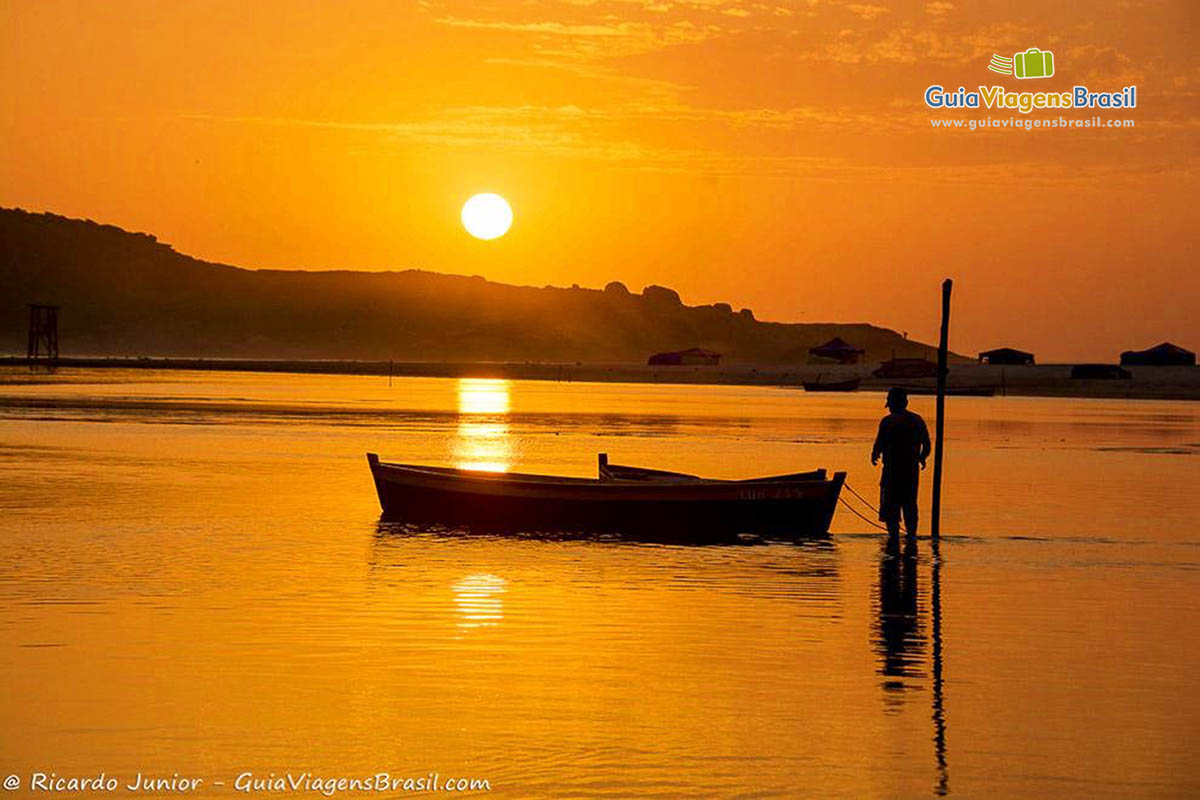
column 839, row 350
column 1163, row 355
column 1008, row 356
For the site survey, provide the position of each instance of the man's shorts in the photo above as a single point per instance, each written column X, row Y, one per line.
column 893, row 499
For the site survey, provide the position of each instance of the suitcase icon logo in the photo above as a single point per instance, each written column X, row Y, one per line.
column 1033, row 63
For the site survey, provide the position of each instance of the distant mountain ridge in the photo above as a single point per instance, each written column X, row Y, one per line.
column 126, row 293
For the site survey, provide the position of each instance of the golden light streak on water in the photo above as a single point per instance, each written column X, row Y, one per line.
column 483, row 441
column 484, row 395
column 479, row 600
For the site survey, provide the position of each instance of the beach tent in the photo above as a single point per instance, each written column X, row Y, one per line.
column 694, row 355
column 839, row 350
column 1163, row 355
column 1006, row 356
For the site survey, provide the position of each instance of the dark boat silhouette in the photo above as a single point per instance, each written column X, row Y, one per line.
column 818, row 385
column 621, row 499
column 953, row 391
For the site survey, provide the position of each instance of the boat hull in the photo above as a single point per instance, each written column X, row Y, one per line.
column 832, row 386
column 536, row 503
column 953, row 391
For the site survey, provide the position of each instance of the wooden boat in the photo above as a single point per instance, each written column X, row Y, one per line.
column 831, row 386
column 621, row 499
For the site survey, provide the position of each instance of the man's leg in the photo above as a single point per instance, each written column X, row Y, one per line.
column 910, row 519
column 893, row 527
column 889, row 514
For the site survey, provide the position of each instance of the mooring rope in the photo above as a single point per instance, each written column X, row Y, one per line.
column 855, row 511
column 864, row 500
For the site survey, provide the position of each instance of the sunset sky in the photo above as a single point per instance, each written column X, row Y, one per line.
column 771, row 155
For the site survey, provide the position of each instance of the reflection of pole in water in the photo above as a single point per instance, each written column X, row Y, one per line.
column 939, row 708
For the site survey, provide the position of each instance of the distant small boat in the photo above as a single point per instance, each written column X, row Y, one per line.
column 622, row 498
column 906, row 368
column 818, row 385
column 1100, row 372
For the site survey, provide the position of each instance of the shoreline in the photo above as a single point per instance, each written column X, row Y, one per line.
column 1049, row 380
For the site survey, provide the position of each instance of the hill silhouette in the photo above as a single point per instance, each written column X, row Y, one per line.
column 127, row 294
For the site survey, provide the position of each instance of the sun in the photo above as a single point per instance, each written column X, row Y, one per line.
column 487, row 216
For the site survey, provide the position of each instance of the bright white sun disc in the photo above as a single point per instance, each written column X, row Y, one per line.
column 487, row 216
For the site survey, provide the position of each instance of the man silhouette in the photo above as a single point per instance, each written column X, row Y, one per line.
column 903, row 442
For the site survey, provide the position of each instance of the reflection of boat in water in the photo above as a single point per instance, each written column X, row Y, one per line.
column 831, row 386
column 622, row 498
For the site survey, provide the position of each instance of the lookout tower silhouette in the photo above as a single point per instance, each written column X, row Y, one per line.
column 43, row 333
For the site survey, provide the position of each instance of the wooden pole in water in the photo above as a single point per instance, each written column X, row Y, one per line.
column 935, row 517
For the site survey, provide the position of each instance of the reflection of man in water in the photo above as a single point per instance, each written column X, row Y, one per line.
column 903, row 441
column 899, row 642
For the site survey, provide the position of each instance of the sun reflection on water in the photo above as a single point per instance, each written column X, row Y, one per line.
column 479, row 601
column 483, row 440
column 483, row 395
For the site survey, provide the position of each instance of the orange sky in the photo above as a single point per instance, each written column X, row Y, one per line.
column 772, row 155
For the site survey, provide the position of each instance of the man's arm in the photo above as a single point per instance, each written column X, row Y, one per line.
column 877, row 449
column 925, row 446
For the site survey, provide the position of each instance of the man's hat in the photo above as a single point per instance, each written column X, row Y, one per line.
column 897, row 397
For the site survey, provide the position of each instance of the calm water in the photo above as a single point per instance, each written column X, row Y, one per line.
column 196, row 581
